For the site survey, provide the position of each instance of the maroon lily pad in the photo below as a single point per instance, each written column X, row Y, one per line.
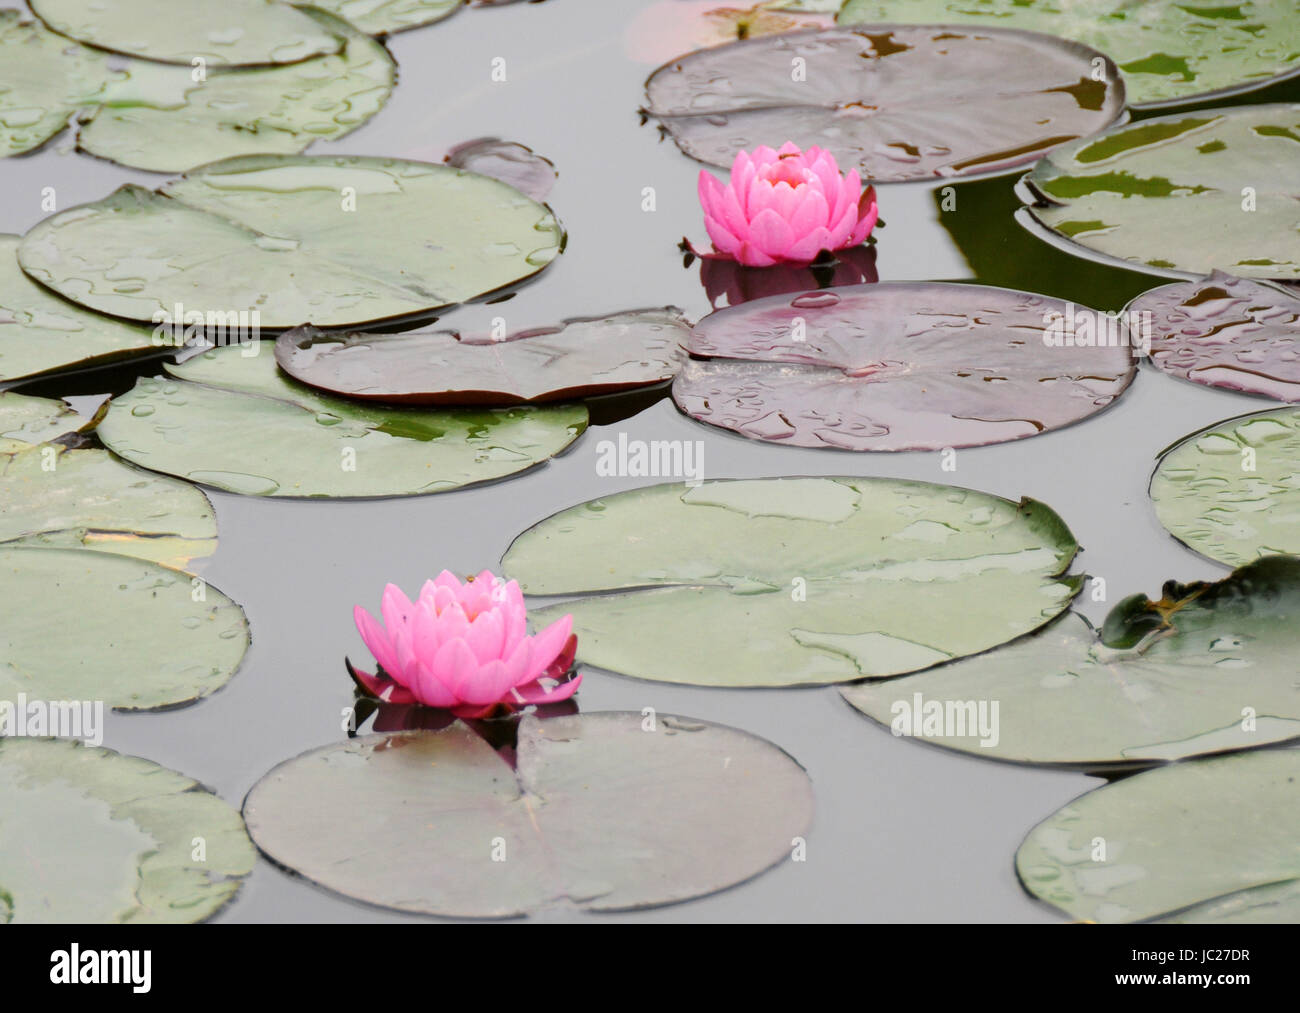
column 511, row 163
column 1229, row 332
column 581, row 357
column 898, row 366
column 898, row 102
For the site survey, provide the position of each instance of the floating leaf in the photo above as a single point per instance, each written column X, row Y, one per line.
column 1226, row 332
column 1181, row 835
column 229, row 33
column 580, row 358
column 41, row 333
column 99, row 626
column 160, row 119
column 383, row 17
column 88, row 835
column 86, row 498
column 511, row 163
column 44, row 80
column 899, row 102
column 1274, row 904
column 26, row 421
column 795, row 581
column 1232, row 492
column 240, row 425
column 274, row 234
column 1170, row 51
column 1195, row 661
column 663, row 30
column 898, row 366
column 1182, row 193
column 599, row 812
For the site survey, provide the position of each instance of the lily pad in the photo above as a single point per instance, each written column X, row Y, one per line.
column 795, row 581
column 514, row 164
column 86, row 498
column 99, row 626
column 438, row 823
column 1226, row 332
column 44, row 80
column 41, row 333
column 1178, row 836
column 579, row 358
column 1176, row 681
column 1232, row 492
column 229, row 33
column 158, row 118
column 1274, row 904
column 899, row 102
column 383, row 17
column 26, row 421
column 900, row 366
column 1181, row 193
column 235, row 422
column 1171, row 52
column 274, row 234
column 88, row 835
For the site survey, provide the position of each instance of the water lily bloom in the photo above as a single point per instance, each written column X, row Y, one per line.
column 464, row 647
column 786, row 206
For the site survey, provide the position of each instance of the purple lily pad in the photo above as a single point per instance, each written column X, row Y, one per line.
column 511, row 163
column 581, row 357
column 1227, row 332
column 899, row 102
column 897, row 366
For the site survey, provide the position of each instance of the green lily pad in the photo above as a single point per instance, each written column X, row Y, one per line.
column 235, row 422
column 795, row 581
column 229, row 33
column 602, row 811
column 158, row 118
column 1180, row 679
column 1232, row 492
column 41, row 333
column 86, row 498
column 88, row 835
column 99, row 626
column 1171, row 52
column 1274, row 904
column 1174, row 837
column 1181, row 193
column 26, row 421
column 274, row 234
column 44, row 80
column 383, row 17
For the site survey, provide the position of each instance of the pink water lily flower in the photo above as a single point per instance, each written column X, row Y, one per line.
column 786, row 206
column 465, row 647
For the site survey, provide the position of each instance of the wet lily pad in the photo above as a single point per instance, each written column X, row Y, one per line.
column 1232, row 492
column 229, row 33
column 1171, row 52
column 86, row 498
column 239, row 424
column 514, row 164
column 99, row 626
column 899, row 102
column 1180, row 194
column 579, row 358
column 26, row 421
column 383, row 17
column 795, row 581
column 41, row 333
column 88, row 835
column 158, row 118
column 1226, row 332
column 274, row 234
column 581, row 818
column 1174, row 683
column 44, row 80
column 899, row 366
column 1273, row 904
column 1178, row 836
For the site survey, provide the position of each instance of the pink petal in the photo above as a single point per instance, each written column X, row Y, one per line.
column 807, row 247
column 395, row 607
column 548, row 644
column 751, row 256
column 456, row 666
column 375, row 638
column 771, row 233
column 383, row 689
column 486, row 635
column 535, row 692
column 563, row 661
column 809, row 213
column 432, row 691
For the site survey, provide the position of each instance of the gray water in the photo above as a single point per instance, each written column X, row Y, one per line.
column 903, row 831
